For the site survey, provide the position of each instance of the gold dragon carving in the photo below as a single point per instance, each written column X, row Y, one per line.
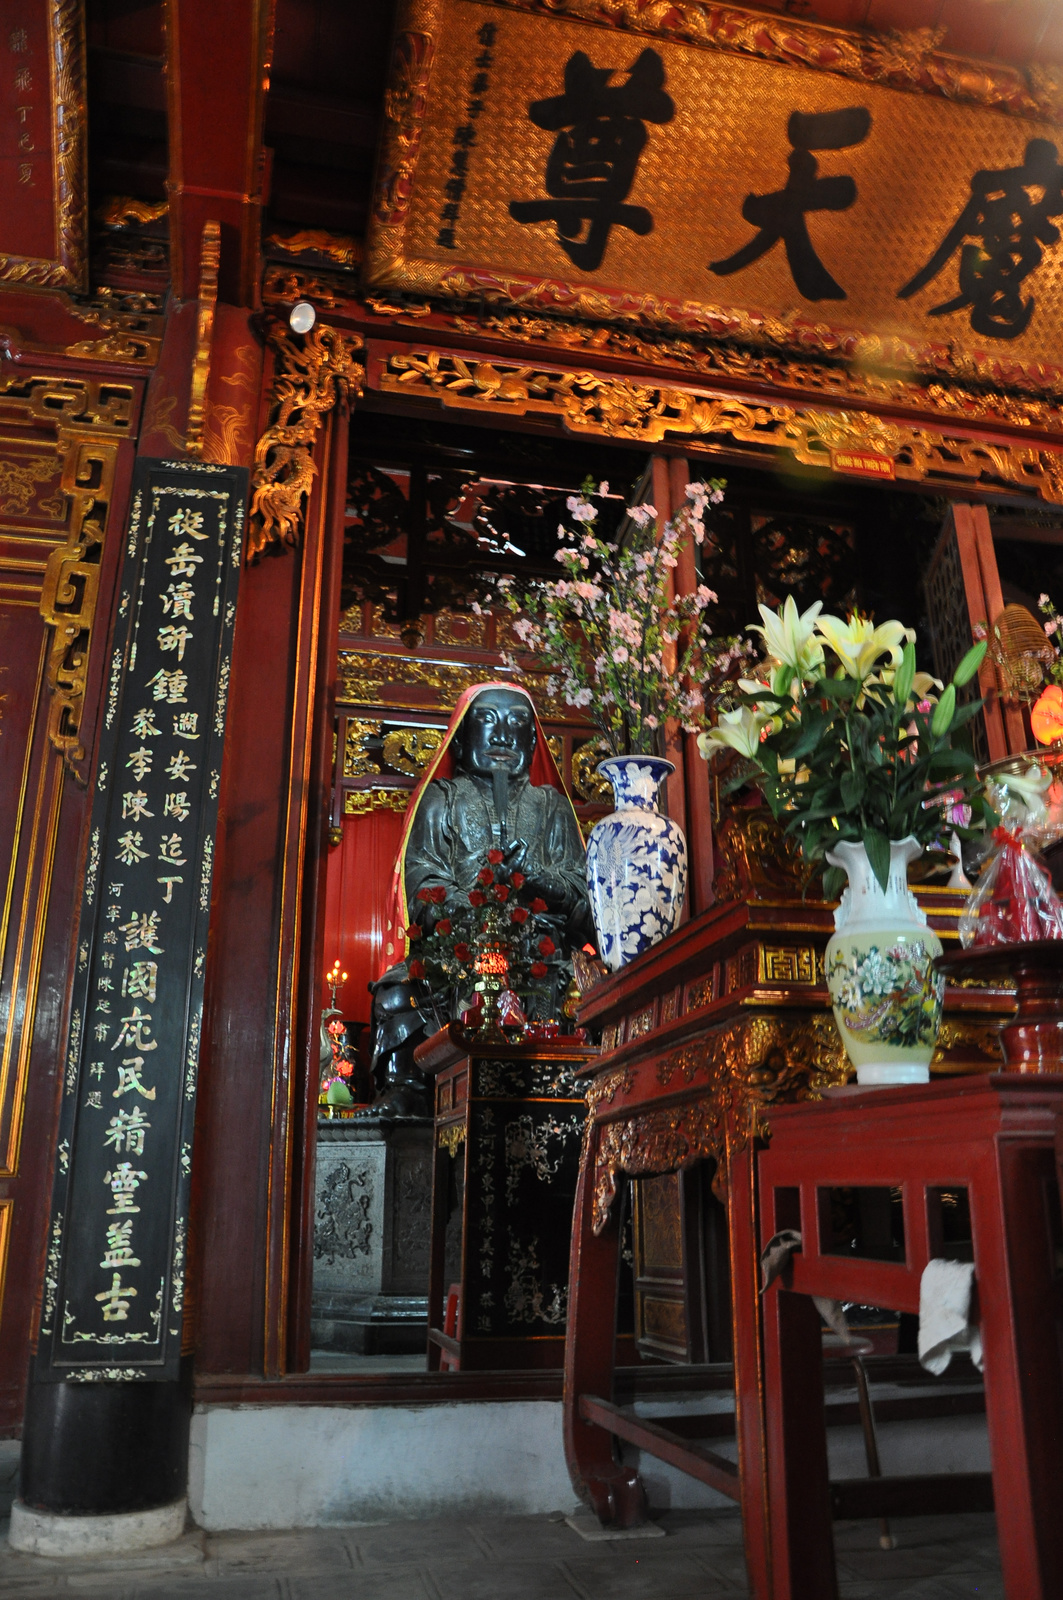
column 748, row 1067
column 404, row 109
column 338, row 248
column 311, row 375
column 120, row 211
column 856, row 382
column 991, row 390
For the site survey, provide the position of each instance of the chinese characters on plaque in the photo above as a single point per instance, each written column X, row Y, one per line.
column 592, row 164
column 782, row 215
column 668, row 181
column 114, row 1286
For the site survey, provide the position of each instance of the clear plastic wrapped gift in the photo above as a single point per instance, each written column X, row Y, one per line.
column 1014, row 901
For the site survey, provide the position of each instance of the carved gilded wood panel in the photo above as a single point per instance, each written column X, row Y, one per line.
column 43, row 144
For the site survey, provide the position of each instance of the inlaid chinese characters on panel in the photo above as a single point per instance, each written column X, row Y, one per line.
column 695, row 169
column 42, row 144
column 136, row 1027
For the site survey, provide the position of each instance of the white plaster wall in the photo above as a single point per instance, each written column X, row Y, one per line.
column 281, row 1466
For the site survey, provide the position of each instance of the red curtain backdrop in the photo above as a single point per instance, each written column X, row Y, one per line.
column 359, row 878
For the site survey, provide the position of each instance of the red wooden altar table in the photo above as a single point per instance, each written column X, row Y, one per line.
column 705, row 1037
column 996, row 1136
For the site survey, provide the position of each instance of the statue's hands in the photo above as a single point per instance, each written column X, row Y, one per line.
column 433, row 915
column 515, row 857
column 549, row 890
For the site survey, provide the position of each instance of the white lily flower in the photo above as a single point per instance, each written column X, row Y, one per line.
column 923, row 683
column 736, row 730
column 858, row 645
column 1028, row 788
column 925, row 687
column 790, row 636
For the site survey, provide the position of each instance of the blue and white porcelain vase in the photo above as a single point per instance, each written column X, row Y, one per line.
column 636, row 862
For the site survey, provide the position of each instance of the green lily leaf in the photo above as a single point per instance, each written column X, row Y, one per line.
column 836, row 688
column 853, row 788
column 965, row 712
column 878, row 854
column 833, row 882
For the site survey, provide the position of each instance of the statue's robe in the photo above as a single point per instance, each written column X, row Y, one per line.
column 456, row 825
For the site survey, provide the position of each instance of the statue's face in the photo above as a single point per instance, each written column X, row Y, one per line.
column 497, row 731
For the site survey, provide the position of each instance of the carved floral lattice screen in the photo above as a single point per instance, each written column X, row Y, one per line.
column 756, row 557
column 421, row 537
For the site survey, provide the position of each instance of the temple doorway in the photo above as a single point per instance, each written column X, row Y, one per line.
column 436, row 509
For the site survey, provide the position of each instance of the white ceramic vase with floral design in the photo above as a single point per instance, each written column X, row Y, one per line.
column 886, row 995
column 636, row 863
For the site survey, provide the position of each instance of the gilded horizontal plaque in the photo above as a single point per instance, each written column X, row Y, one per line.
column 897, row 208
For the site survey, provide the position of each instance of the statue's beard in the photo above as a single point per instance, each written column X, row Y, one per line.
column 500, row 794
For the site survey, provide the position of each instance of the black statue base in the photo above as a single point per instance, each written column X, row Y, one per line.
column 370, row 1325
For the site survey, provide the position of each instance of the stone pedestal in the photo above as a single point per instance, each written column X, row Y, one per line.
column 372, row 1220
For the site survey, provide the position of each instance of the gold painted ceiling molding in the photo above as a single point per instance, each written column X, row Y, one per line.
column 992, row 390
column 910, row 59
column 844, row 441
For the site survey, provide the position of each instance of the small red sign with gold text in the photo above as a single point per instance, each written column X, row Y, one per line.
column 862, row 464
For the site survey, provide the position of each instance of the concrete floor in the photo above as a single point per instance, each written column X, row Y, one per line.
column 504, row 1558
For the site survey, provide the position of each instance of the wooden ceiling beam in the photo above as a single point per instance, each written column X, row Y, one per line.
column 217, row 75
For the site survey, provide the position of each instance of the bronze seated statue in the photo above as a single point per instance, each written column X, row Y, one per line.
column 491, row 802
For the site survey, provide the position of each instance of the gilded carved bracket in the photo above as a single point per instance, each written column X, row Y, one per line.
column 733, row 1077
column 71, row 589
column 311, row 374
column 209, row 262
